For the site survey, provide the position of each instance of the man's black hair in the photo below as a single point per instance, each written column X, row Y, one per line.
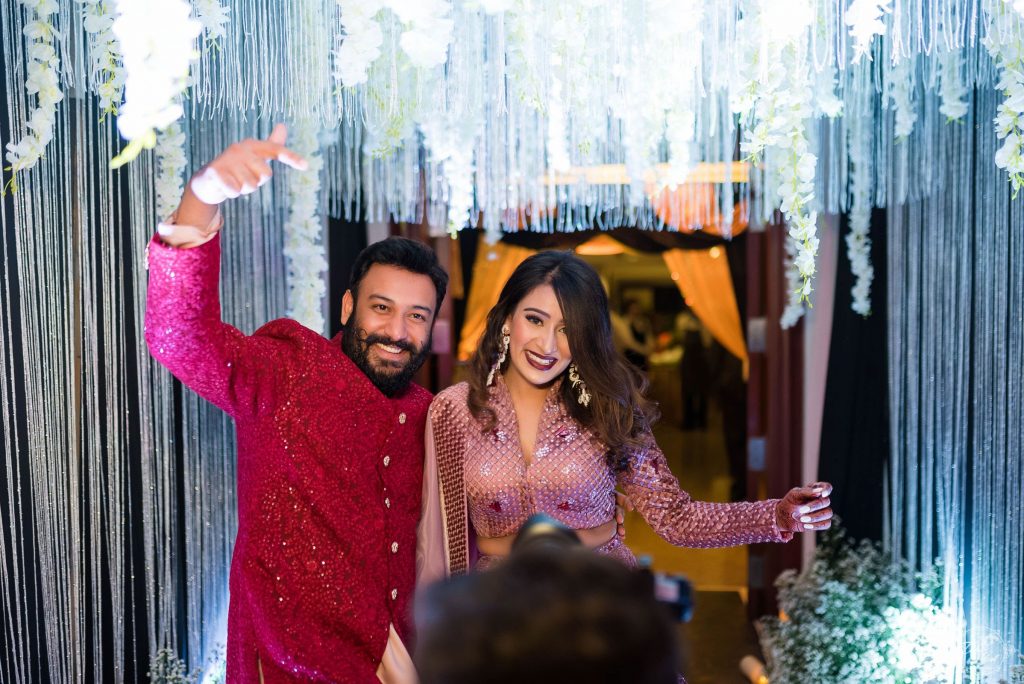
column 404, row 253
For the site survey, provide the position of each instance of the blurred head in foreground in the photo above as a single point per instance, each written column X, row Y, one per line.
column 547, row 614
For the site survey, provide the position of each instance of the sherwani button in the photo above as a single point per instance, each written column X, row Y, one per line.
column 401, row 418
column 394, row 547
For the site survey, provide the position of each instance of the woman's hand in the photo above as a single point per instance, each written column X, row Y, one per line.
column 239, row 170
column 805, row 509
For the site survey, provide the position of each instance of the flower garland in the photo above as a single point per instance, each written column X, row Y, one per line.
column 427, row 33
column 775, row 108
column 864, row 17
column 171, row 161
column 360, row 45
column 43, row 82
column 107, row 75
column 303, row 247
column 955, row 95
column 213, row 17
column 858, row 240
column 901, row 84
column 1009, row 121
column 156, row 49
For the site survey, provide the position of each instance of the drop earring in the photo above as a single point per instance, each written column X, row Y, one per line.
column 578, row 384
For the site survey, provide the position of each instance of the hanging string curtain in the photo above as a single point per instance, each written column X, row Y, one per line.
column 705, row 281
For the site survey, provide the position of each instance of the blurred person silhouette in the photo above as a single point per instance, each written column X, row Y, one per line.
column 694, row 373
column 553, row 611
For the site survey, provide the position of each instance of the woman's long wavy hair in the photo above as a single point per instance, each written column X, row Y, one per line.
column 618, row 414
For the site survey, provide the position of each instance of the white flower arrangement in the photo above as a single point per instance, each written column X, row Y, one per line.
column 427, row 33
column 954, row 93
column 778, row 106
column 1009, row 121
column 360, row 46
column 428, row 30
column 42, row 81
column 864, row 17
column 303, row 246
column 213, row 17
column 855, row 616
column 171, row 161
column 156, row 39
column 106, row 74
column 858, row 239
column 901, row 84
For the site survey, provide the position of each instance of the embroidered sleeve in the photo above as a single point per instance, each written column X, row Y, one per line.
column 681, row 521
column 185, row 333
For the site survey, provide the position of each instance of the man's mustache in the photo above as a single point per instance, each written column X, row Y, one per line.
column 375, row 338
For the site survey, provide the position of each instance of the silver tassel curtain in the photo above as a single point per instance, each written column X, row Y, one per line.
column 117, row 486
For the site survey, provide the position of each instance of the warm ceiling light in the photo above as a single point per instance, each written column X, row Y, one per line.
column 602, row 245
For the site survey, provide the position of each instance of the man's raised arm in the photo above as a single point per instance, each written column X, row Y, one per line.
column 184, row 330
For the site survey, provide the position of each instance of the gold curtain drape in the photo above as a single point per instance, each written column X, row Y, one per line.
column 493, row 267
column 704, row 279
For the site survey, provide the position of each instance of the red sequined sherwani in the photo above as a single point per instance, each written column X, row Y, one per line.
column 329, row 480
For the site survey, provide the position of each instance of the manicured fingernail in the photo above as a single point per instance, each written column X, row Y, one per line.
column 805, row 509
column 808, row 527
column 805, row 518
column 164, row 229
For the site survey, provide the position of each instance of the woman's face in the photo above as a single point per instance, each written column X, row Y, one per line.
column 538, row 349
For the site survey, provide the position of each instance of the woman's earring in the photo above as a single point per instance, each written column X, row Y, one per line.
column 577, row 383
column 506, row 339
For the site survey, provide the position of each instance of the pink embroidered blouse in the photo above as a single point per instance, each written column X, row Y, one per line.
column 478, row 483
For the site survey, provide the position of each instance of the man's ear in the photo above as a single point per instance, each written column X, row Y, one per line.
column 348, row 303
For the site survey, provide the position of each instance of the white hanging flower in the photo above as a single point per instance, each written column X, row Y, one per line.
column 171, row 161
column 43, row 82
column 106, row 73
column 428, row 31
column 794, row 309
column 156, row 39
column 954, row 93
column 360, row 46
column 303, row 233
column 775, row 127
column 1009, row 121
column 901, row 84
column 213, row 17
column 864, row 17
column 858, row 240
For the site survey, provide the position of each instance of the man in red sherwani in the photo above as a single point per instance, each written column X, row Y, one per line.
column 330, row 439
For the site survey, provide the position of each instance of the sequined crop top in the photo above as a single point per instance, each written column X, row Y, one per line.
column 482, row 478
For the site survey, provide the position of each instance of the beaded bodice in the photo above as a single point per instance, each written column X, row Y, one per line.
column 568, row 477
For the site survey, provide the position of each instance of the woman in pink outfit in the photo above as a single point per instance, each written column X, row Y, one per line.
column 551, row 421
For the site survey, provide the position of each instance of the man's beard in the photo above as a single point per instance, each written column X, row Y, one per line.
column 392, row 376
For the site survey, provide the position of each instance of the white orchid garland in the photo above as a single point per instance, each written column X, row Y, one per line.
column 775, row 109
column 213, row 17
column 171, row 161
column 953, row 92
column 427, row 33
column 1009, row 122
column 43, row 81
column 303, row 244
column 106, row 73
column 156, row 38
column 901, row 84
column 865, row 19
column 858, row 239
